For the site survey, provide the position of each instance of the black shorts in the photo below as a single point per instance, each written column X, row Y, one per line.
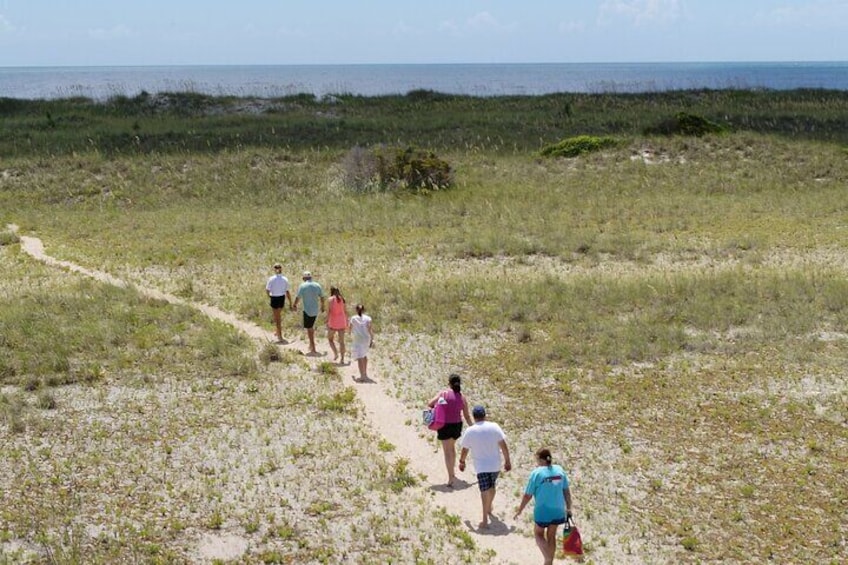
column 558, row 521
column 278, row 302
column 309, row 321
column 450, row 431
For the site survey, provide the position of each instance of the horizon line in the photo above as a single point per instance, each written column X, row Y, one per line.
column 682, row 62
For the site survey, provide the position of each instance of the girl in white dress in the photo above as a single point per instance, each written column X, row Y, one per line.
column 363, row 338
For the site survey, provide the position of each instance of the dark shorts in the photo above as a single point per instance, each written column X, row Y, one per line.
column 487, row 480
column 450, row 431
column 309, row 321
column 278, row 301
column 558, row 521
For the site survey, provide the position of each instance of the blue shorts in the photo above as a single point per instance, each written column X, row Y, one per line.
column 487, row 481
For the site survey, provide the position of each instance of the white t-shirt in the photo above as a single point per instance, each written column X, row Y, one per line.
column 277, row 285
column 483, row 439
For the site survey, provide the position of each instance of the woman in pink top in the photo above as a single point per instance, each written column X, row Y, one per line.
column 337, row 322
column 455, row 409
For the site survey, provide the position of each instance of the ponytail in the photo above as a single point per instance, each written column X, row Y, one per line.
column 544, row 455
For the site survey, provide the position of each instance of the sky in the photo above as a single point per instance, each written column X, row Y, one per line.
column 282, row 32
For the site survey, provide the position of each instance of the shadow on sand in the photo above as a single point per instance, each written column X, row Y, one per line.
column 364, row 380
column 496, row 527
column 458, row 484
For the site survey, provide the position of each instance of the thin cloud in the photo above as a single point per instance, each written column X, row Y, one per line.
column 486, row 21
column 640, row 12
column 827, row 13
column 450, row 26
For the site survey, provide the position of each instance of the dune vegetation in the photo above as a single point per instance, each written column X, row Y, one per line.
column 666, row 311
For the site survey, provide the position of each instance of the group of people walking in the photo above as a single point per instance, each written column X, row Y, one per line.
column 311, row 294
column 485, row 441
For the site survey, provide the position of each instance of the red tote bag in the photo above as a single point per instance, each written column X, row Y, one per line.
column 572, row 544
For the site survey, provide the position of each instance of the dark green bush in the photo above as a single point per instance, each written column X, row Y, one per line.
column 423, row 95
column 684, row 123
column 12, row 106
column 8, row 237
column 393, row 168
column 574, row 146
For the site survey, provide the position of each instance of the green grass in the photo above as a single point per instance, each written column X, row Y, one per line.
column 172, row 123
column 668, row 314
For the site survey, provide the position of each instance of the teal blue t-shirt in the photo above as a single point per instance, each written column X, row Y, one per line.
column 547, row 486
column 310, row 292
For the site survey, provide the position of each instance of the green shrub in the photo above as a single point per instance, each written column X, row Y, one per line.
column 46, row 401
column 684, row 123
column 401, row 477
column 393, row 168
column 426, row 95
column 328, row 368
column 12, row 413
column 8, row 237
column 689, row 543
column 7, row 366
column 574, row 146
column 269, row 353
column 342, row 401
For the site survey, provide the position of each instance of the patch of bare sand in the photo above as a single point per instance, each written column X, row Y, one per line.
column 226, row 547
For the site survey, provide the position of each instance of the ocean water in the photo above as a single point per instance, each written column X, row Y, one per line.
column 101, row 83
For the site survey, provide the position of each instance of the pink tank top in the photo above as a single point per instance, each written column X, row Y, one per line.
column 453, row 410
column 337, row 319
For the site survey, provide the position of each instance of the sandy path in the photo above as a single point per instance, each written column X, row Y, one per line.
column 384, row 414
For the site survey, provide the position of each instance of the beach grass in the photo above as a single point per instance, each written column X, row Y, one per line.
column 667, row 315
column 192, row 123
column 131, row 433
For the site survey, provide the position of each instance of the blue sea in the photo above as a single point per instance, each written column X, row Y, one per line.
column 101, row 83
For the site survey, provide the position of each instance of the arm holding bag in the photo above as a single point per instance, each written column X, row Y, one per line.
column 439, row 414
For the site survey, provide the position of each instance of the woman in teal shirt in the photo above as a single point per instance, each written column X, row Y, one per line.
column 548, row 484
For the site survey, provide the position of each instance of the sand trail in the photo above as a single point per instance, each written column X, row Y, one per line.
column 385, row 414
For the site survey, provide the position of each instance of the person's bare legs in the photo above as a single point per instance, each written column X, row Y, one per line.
column 311, row 333
column 449, row 448
column 362, row 363
column 278, row 322
column 552, row 541
column 488, row 498
column 341, row 345
column 546, row 541
column 330, row 335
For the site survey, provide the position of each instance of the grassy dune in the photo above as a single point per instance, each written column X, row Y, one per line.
column 668, row 316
